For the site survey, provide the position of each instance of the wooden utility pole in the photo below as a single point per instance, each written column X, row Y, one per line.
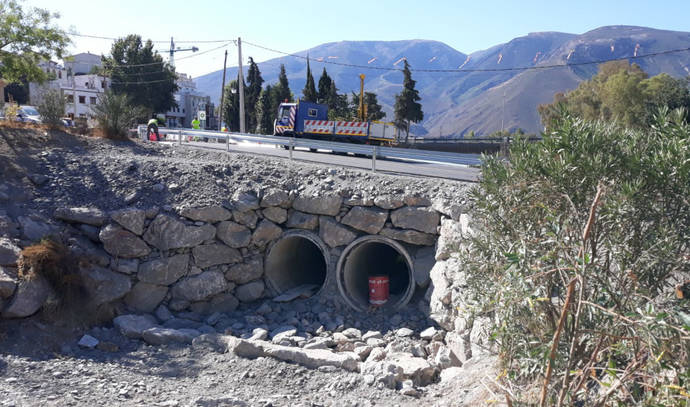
column 222, row 93
column 241, row 85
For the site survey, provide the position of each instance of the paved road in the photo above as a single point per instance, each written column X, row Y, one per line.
column 427, row 169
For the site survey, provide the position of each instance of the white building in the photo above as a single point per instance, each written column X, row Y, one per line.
column 190, row 102
column 74, row 80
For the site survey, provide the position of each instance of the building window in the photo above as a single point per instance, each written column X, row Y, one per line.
column 70, row 98
column 82, row 100
column 60, row 74
column 92, row 100
column 102, row 84
column 312, row 112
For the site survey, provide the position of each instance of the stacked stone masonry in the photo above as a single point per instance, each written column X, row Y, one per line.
column 203, row 258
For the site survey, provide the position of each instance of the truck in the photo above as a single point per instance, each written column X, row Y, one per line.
column 310, row 120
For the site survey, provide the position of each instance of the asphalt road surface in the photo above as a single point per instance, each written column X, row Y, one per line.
column 427, row 169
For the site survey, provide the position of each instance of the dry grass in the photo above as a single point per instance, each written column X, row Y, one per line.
column 52, row 260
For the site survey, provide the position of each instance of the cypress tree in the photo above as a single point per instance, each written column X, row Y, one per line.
column 309, row 91
column 325, row 83
column 252, row 93
column 266, row 111
column 283, row 92
column 407, row 106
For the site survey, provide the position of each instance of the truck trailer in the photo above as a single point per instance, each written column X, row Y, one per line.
column 310, row 120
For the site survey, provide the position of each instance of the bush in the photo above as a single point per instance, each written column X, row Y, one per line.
column 11, row 110
column 52, row 107
column 602, row 213
column 115, row 114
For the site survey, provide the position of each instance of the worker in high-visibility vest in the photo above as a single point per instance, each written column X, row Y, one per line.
column 152, row 129
column 196, row 124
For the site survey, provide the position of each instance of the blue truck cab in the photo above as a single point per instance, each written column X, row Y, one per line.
column 291, row 117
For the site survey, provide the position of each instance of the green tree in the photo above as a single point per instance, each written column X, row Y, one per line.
column 309, row 91
column 338, row 106
column 252, row 93
column 325, row 83
column 619, row 91
column 266, row 111
column 407, row 107
column 27, row 37
column 282, row 89
column 373, row 108
column 115, row 114
column 231, row 106
column 52, row 107
column 140, row 73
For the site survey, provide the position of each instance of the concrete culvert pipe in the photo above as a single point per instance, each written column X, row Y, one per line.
column 297, row 259
column 375, row 256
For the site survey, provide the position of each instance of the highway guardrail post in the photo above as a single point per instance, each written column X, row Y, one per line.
column 227, row 142
column 179, row 137
column 373, row 159
column 292, row 146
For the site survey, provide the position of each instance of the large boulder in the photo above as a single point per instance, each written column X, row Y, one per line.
column 370, row 220
column 8, row 227
column 310, row 358
column 333, row 233
column 423, row 219
column 200, row 287
column 214, row 254
column 103, row 286
column 9, row 252
column 449, row 239
column 224, row 302
column 243, row 273
column 233, row 234
column 389, row 201
column 28, row 298
column 413, row 368
column 275, row 197
column 131, row 219
column 409, row 236
column 266, row 232
column 251, row 291
column 8, row 283
column 145, row 297
column 90, row 216
column 424, row 260
column 211, row 214
column 301, row 220
column 164, row 271
column 275, row 214
column 132, row 326
column 319, row 205
column 246, row 218
column 161, row 336
column 34, row 229
column 167, row 233
column 123, row 243
column 243, row 201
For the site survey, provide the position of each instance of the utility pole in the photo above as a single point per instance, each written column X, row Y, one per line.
column 222, row 92
column 241, row 81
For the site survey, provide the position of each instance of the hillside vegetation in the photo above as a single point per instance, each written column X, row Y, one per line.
column 583, row 268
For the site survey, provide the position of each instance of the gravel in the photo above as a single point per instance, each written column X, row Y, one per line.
column 41, row 360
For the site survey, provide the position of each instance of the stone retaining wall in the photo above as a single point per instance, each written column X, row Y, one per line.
column 211, row 258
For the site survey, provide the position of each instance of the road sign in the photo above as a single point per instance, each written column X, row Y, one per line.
column 201, row 115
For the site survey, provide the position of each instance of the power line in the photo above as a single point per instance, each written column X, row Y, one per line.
column 99, row 37
column 523, row 68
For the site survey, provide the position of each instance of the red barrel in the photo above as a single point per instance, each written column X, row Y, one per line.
column 378, row 290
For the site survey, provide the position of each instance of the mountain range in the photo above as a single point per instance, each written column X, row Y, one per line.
column 488, row 92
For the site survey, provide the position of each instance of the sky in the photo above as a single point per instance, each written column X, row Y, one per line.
column 292, row 26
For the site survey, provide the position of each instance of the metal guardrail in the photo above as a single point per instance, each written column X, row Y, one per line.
column 183, row 135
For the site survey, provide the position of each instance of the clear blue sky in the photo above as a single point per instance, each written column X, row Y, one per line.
column 293, row 26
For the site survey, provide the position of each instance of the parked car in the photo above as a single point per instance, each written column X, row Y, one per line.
column 28, row 114
column 67, row 122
